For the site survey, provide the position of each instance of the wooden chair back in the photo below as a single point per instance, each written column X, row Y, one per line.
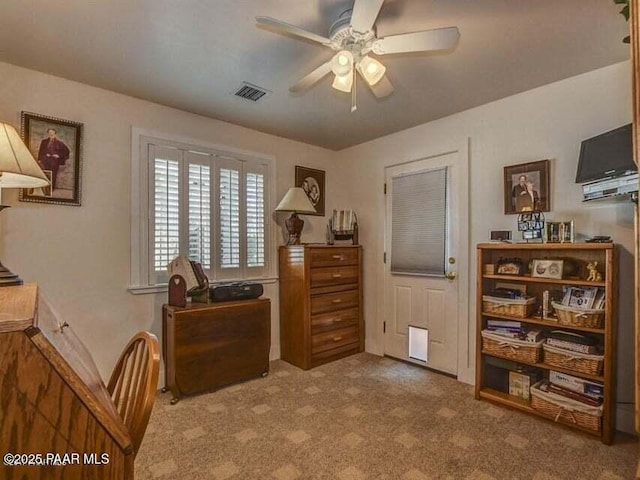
column 134, row 382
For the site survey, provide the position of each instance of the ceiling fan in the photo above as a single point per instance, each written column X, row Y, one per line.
column 353, row 36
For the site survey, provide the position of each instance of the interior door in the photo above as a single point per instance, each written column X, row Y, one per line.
column 423, row 214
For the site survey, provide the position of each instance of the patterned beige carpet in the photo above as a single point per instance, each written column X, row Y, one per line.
column 365, row 417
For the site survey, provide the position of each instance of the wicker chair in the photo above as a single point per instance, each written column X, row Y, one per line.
column 134, row 382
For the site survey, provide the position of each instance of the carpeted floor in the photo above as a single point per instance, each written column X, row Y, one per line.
column 365, row 417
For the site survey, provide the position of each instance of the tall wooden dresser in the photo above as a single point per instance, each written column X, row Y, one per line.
column 320, row 303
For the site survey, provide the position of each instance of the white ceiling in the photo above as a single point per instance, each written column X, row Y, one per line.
column 191, row 54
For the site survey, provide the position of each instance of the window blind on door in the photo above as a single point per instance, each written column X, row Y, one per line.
column 419, row 223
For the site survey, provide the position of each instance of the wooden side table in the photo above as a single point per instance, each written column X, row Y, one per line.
column 207, row 346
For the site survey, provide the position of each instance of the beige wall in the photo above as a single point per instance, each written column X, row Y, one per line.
column 545, row 123
column 80, row 256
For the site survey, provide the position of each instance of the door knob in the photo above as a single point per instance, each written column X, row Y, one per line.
column 451, row 275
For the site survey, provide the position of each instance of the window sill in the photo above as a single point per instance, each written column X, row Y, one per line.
column 162, row 288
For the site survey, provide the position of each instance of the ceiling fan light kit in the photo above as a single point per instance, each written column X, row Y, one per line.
column 371, row 69
column 343, row 82
column 354, row 36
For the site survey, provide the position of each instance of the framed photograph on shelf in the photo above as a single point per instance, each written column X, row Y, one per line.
column 526, row 187
column 547, row 268
column 56, row 144
column 559, row 232
column 312, row 182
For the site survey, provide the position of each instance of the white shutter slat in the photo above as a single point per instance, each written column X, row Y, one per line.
column 166, row 215
column 255, row 219
column 199, row 211
column 229, row 221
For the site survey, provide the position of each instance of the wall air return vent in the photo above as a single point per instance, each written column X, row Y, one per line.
column 251, row 92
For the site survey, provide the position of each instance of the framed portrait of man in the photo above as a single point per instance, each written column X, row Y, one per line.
column 56, row 144
column 526, row 187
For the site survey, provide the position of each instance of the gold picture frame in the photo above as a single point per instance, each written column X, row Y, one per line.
column 56, row 144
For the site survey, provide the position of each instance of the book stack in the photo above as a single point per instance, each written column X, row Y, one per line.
column 572, row 341
column 513, row 329
column 575, row 388
column 505, row 328
column 588, row 298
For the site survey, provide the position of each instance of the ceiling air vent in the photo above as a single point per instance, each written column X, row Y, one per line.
column 251, row 92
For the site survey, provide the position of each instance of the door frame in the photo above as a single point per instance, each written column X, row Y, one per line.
column 465, row 344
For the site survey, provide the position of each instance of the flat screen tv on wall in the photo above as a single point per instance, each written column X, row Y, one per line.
column 607, row 155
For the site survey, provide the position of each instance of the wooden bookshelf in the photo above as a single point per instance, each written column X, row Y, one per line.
column 580, row 254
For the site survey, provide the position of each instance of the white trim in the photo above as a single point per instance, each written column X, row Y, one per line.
column 162, row 288
column 139, row 216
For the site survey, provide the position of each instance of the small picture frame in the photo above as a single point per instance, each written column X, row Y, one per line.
column 559, row 232
column 312, row 182
column 547, row 269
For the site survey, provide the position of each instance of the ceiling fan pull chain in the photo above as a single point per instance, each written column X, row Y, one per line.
column 354, row 107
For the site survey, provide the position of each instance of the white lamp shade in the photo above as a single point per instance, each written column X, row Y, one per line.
column 342, row 63
column 343, row 82
column 18, row 168
column 371, row 69
column 297, row 201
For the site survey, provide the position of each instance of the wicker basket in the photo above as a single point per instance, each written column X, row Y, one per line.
column 578, row 317
column 565, row 410
column 512, row 348
column 580, row 362
column 521, row 308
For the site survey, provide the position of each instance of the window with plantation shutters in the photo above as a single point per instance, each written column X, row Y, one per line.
column 208, row 205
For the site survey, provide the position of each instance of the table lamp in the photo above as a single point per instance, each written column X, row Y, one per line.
column 295, row 201
column 18, row 169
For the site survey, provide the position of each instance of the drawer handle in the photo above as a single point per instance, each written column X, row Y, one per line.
column 337, row 300
column 337, row 275
column 337, row 339
column 337, row 257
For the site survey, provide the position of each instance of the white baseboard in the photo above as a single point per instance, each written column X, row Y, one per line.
column 274, row 354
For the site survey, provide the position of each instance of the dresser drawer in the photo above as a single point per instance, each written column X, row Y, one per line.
column 330, row 302
column 324, row 277
column 332, row 320
column 333, row 339
column 333, row 257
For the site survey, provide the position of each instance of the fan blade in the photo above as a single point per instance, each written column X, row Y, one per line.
column 311, row 78
column 364, row 14
column 427, row 40
column 383, row 88
column 292, row 29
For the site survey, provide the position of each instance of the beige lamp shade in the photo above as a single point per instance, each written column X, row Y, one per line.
column 295, row 201
column 18, row 168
